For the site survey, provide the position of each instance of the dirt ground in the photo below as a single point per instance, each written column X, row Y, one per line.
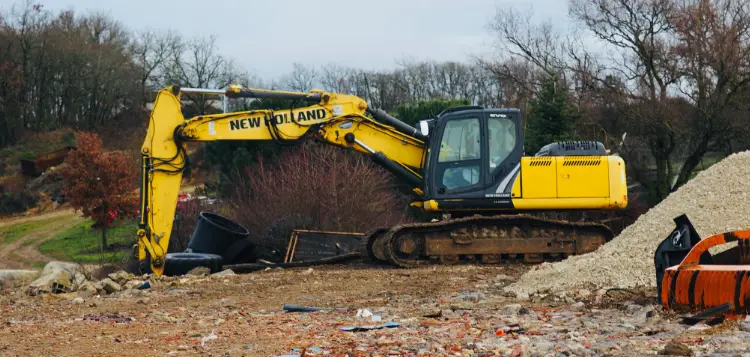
column 439, row 311
column 240, row 310
column 443, row 311
column 23, row 253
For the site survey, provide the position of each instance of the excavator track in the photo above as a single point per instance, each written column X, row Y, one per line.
column 485, row 240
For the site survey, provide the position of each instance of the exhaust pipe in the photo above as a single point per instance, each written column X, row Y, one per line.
column 407, row 129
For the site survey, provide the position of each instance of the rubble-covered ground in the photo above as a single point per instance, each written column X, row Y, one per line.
column 442, row 311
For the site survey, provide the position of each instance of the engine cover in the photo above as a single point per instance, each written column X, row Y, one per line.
column 573, row 148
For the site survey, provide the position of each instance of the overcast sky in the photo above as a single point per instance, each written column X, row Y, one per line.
column 266, row 37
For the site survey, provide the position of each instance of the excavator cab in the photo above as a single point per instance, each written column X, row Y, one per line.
column 474, row 154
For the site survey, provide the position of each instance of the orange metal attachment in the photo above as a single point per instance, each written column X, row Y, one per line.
column 703, row 280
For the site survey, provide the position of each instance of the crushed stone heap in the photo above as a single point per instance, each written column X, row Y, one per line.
column 716, row 201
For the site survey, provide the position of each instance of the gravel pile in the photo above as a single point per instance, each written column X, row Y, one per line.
column 716, row 201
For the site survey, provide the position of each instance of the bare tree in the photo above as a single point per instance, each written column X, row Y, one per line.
column 150, row 50
column 197, row 64
column 713, row 49
column 517, row 36
column 336, row 78
column 301, row 79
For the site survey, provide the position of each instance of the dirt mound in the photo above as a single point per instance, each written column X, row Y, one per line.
column 716, row 201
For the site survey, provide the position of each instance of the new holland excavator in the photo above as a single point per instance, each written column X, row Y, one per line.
column 467, row 165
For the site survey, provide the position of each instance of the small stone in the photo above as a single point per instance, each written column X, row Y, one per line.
column 512, row 309
column 132, row 284
column 578, row 306
column 226, row 272
column 633, row 308
column 199, row 271
column 745, row 326
column 584, row 293
column 78, row 300
column 509, row 293
column 471, row 296
column 600, row 296
column 676, row 348
column 110, row 286
column 642, row 316
column 307, row 272
column 433, row 313
column 503, row 277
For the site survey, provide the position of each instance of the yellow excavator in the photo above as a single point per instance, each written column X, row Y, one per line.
column 467, row 165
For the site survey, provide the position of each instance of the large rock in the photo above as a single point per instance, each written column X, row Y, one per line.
column 60, row 273
column 121, row 277
column 71, row 268
column 15, row 278
column 87, row 289
column 110, row 286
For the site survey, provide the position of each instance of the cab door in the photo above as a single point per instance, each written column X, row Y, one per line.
column 505, row 149
column 456, row 158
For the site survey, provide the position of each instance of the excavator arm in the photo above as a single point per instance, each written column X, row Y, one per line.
column 334, row 118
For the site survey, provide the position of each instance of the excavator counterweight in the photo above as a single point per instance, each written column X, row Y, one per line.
column 469, row 167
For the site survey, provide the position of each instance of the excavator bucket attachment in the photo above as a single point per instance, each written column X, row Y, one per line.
column 711, row 274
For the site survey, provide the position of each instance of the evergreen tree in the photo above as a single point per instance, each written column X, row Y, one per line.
column 551, row 117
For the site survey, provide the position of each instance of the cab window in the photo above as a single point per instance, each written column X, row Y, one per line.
column 460, row 147
column 502, row 140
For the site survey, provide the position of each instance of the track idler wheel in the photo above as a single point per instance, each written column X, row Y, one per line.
column 376, row 245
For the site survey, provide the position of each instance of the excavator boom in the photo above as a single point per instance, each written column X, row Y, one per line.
column 337, row 119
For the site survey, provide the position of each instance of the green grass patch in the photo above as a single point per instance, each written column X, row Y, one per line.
column 82, row 244
column 13, row 232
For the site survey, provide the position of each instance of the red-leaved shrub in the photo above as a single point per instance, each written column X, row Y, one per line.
column 315, row 186
column 100, row 184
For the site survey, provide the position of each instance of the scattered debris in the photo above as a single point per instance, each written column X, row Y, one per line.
column 367, row 328
column 363, row 313
column 381, row 313
column 210, row 337
column 298, row 308
column 108, row 318
column 310, row 245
